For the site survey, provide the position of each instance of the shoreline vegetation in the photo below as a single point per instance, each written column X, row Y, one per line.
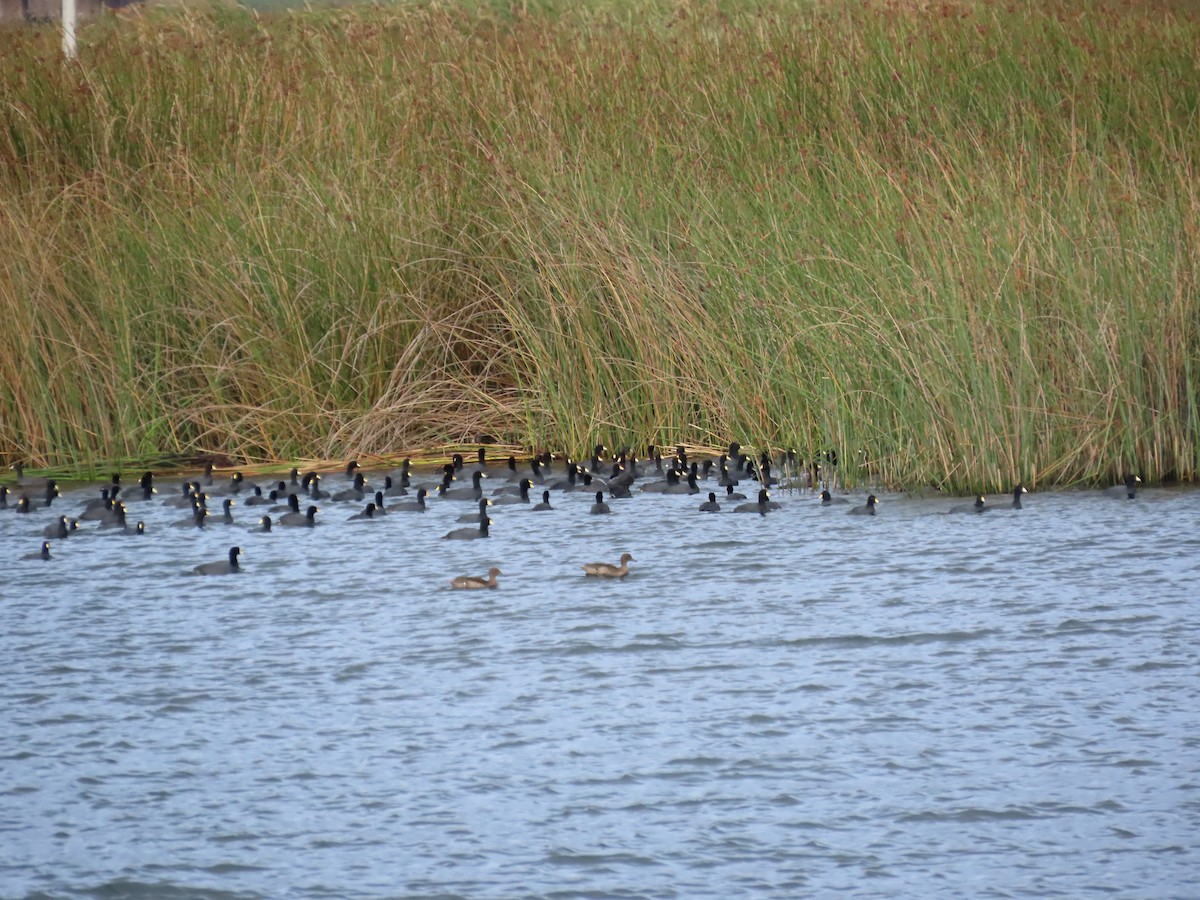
column 958, row 240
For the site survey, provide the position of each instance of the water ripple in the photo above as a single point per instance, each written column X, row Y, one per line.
column 803, row 704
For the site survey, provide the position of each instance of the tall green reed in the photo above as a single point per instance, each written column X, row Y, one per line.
column 957, row 242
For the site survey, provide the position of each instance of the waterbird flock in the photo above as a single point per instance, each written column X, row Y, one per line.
column 294, row 500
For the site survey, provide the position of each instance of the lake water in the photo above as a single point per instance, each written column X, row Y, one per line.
column 803, row 704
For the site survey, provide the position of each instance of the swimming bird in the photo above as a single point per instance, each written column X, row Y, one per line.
column 392, row 489
column 469, row 534
column 1016, row 495
column 292, row 504
column 481, row 462
column 257, row 498
column 522, row 495
column 356, row 492
column 400, row 478
column 223, row 567
column 226, row 512
column 620, row 481
column 474, row 582
column 441, row 479
column 48, row 494
column 306, row 519
column 60, row 529
column 827, row 499
column 690, row 487
column 22, row 481
column 509, row 472
column 115, row 520
column 189, row 490
column 600, row 507
column 731, row 494
column 195, row 520
column 867, row 509
column 513, row 488
column 264, row 524
column 726, row 478
column 484, row 503
column 96, row 508
column 763, row 505
column 43, row 553
column 1126, row 490
column 667, row 485
column 417, row 505
column 117, row 524
column 367, row 515
column 237, row 483
column 474, row 492
column 599, row 454
column 979, row 506
column 544, row 505
column 711, row 504
column 314, row 487
column 632, row 466
column 655, row 455
column 535, row 471
column 145, row 490
column 608, row 570
column 570, row 482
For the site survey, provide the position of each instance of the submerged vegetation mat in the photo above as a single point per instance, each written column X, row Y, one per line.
column 958, row 240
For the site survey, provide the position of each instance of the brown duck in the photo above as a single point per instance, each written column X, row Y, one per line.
column 608, row 570
column 474, row 582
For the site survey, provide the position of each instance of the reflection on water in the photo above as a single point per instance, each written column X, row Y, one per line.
column 791, row 705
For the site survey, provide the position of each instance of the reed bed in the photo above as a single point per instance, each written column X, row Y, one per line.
column 957, row 242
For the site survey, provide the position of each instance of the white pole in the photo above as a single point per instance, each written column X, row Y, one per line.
column 68, row 27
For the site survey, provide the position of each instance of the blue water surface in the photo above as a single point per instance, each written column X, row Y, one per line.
column 807, row 703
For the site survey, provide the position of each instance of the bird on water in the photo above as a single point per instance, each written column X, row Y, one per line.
column 43, row 553
column 223, row 567
column 979, row 506
column 608, row 570
column 470, row 534
column 867, row 509
column 763, row 505
column 1127, row 489
column 474, row 582
column 306, row 519
column 417, row 505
